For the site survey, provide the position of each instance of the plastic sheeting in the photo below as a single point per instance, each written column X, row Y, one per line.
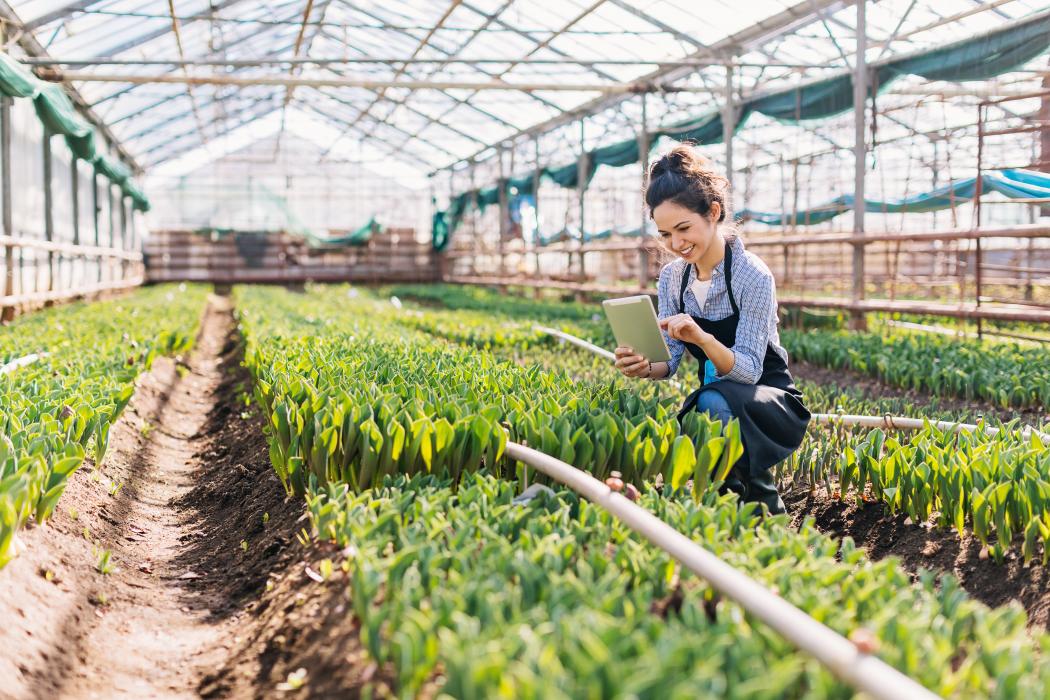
column 357, row 237
column 59, row 116
column 15, row 79
column 978, row 58
column 1016, row 184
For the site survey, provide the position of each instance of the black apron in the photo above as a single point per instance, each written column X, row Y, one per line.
column 772, row 417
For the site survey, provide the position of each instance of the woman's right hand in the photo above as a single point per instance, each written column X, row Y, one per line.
column 631, row 364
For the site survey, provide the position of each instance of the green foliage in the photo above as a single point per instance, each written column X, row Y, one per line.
column 58, row 410
column 1005, row 374
column 557, row 599
column 355, row 398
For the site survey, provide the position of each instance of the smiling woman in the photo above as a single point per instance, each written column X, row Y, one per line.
column 718, row 301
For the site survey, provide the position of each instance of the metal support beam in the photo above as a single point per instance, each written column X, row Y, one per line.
column 581, row 188
column 285, row 81
column 7, row 312
column 386, row 61
column 60, row 13
column 860, row 101
column 763, row 31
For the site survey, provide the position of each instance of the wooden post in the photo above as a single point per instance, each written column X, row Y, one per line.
column 978, row 191
column 49, row 215
column 537, row 177
column 112, row 224
column 7, row 313
column 76, row 219
column 504, row 214
column 643, row 158
column 728, row 125
column 860, row 95
column 96, row 210
column 581, row 189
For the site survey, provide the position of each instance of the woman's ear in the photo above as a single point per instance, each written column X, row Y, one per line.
column 715, row 212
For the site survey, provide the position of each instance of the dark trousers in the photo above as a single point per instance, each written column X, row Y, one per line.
column 749, row 487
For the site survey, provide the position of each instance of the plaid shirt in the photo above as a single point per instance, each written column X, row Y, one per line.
column 755, row 293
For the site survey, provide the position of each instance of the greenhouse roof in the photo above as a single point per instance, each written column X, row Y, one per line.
column 417, row 80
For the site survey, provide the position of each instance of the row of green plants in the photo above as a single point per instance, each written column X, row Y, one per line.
column 1007, row 374
column 463, row 592
column 474, row 298
column 997, row 487
column 1004, row 374
column 355, row 398
column 58, row 410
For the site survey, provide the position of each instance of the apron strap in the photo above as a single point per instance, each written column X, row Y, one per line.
column 729, row 277
column 685, row 285
column 728, row 267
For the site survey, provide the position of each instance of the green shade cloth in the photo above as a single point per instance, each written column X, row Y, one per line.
column 570, row 233
column 706, row 129
column 357, row 237
column 615, row 155
column 978, row 58
column 15, row 79
column 139, row 201
column 1016, row 184
column 565, row 176
column 814, row 101
column 523, row 184
column 113, row 170
column 487, row 197
column 59, row 116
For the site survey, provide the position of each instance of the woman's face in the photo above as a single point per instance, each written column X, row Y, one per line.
column 684, row 232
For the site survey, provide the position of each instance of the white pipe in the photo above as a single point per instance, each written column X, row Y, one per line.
column 865, row 672
column 576, row 341
column 887, row 421
column 902, row 423
column 591, row 347
column 21, row 362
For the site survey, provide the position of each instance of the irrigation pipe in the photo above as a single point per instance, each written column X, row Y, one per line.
column 21, row 362
column 902, row 423
column 864, row 672
column 887, row 422
column 580, row 342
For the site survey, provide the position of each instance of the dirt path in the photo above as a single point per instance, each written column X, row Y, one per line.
column 166, row 614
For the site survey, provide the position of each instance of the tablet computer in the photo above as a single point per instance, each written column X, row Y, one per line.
column 633, row 321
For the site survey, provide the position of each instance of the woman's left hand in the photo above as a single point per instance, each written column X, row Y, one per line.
column 682, row 327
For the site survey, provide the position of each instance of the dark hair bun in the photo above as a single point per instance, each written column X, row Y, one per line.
column 687, row 178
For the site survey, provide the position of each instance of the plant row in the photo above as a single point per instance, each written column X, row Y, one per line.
column 59, row 409
column 996, row 486
column 465, row 593
column 368, row 400
column 1005, row 374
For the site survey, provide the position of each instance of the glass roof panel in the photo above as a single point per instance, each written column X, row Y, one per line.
column 520, row 41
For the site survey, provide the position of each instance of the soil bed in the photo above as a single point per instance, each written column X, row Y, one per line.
column 874, row 389
column 932, row 548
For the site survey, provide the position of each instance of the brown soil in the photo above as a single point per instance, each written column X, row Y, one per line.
column 205, row 598
column 873, row 388
column 928, row 547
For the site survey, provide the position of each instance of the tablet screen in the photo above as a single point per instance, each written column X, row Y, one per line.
column 633, row 321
